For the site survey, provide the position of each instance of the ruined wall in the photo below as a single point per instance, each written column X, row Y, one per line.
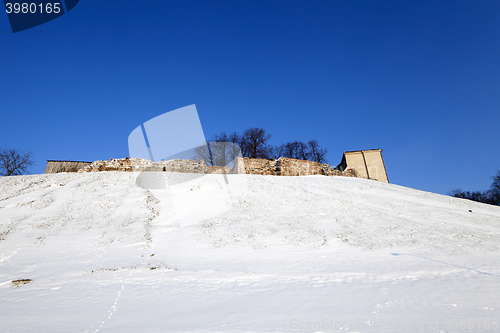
column 257, row 166
column 122, row 164
column 329, row 171
column 292, row 167
column 288, row 167
column 220, row 170
column 239, row 166
column 138, row 164
column 252, row 166
column 185, row 166
column 65, row 166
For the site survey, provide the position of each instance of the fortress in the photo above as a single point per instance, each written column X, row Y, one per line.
column 367, row 164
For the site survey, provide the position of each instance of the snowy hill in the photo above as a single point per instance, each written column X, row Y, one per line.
column 262, row 254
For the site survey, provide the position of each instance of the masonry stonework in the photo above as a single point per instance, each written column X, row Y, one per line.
column 257, row 166
column 252, row 166
column 293, row 167
column 289, row 167
column 139, row 164
column 65, row 166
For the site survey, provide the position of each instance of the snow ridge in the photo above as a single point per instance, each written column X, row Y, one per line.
column 244, row 253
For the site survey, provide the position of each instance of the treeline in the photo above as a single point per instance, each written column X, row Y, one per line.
column 254, row 143
column 491, row 196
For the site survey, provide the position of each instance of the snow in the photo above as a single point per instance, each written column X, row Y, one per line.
column 262, row 254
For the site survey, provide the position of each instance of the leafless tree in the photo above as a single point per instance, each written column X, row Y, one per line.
column 14, row 162
column 203, row 153
column 316, row 153
column 254, row 143
column 295, row 149
column 223, row 137
column 495, row 188
column 218, row 154
column 301, row 151
column 491, row 196
column 224, row 153
column 225, row 148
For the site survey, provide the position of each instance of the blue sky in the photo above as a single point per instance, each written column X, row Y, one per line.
column 419, row 79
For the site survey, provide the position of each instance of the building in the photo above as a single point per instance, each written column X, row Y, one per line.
column 368, row 163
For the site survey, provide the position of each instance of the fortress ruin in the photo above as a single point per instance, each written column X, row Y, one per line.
column 367, row 164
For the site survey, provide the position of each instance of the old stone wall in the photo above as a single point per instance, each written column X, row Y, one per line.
column 139, row 164
column 220, row 170
column 288, row 167
column 184, row 166
column 257, row 166
column 65, row 166
column 329, row 171
column 292, row 167
column 252, row 166
column 239, row 166
column 121, row 164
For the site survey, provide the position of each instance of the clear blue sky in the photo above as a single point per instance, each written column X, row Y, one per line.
column 420, row 79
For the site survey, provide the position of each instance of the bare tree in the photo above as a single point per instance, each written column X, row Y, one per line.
column 495, row 188
column 491, row 196
column 203, row 153
column 223, row 137
column 224, row 153
column 301, row 151
column 254, row 143
column 221, row 151
column 316, row 153
column 14, row 162
column 225, row 148
column 295, row 149
column 478, row 196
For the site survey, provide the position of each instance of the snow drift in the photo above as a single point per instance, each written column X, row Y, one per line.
column 262, row 254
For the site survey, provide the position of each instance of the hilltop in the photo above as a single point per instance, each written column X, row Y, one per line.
column 259, row 254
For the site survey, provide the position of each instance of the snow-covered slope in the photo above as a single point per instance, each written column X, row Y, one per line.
column 264, row 254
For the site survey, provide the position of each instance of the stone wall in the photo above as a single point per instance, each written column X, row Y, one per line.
column 257, row 166
column 65, row 166
column 289, row 167
column 239, row 166
column 329, row 171
column 252, row 166
column 293, row 167
column 121, row 164
column 220, row 170
column 184, row 166
column 139, row 164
